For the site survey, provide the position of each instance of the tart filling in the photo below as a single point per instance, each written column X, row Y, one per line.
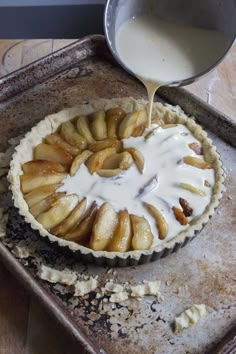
column 93, row 178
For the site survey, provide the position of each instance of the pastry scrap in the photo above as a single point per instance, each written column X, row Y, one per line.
column 103, row 143
column 189, row 317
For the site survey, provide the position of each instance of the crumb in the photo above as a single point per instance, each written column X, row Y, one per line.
column 189, row 317
column 119, row 297
column 52, row 275
column 21, row 251
column 85, row 287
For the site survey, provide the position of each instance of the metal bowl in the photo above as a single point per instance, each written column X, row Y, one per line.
column 207, row 14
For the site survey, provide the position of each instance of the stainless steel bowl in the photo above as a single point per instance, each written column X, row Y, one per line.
column 219, row 15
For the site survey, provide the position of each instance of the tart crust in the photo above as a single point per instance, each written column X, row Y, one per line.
column 24, row 153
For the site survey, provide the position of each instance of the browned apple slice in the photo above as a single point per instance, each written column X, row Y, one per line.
column 113, row 118
column 42, row 167
column 126, row 160
column 142, row 234
column 69, row 133
column 159, row 219
column 78, row 160
column 58, row 212
column 157, row 120
column 138, row 131
column 98, row 125
column 53, row 153
column 109, row 173
column 95, row 161
column 196, row 162
column 73, row 219
column 207, row 184
column 179, row 215
column 130, row 122
column 40, row 193
column 104, row 144
column 197, row 148
column 82, row 232
column 192, row 189
column 168, row 126
column 137, row 157
column 32, row 181
column 187, row 210
column 45, row 204
column 83, row 129
column 103, row 227
column 57, row 139
column 112, row 162
column 122, row 161
column 121, row 239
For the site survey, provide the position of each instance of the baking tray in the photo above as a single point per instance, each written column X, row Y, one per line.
column 202, row 272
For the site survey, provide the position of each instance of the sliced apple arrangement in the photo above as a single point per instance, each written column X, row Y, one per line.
column 96, row 141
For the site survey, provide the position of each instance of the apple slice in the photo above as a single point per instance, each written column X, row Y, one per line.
column 123, row 161
column 112, row 162
column 83, row 129
column 32, row 181
column 40, row 193
column 109, row 173
column 137, row 157
column 79, row 160
column 179, row 215
column 138, row 131
column 130, row 122
column 168, row 126
column 159, row 219
column 121, row 239
column 103, row 227
column 113, row 118
column 73, row 219
column 192, row 189
column 58, row 212
column 126, row 160
column 187, row 210
column 57, row 139
column 104, row 144
column 196, row 162
column 196, row 147
column 82, row 232
column 42, row 167
column 53, row 153
column 69, row 133
column 157, row 120
column 142, row 234
column 98, row 125
column 95, row 161
column 45, row 204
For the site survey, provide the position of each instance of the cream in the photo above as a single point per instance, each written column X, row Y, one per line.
column 163, row 154
column 160, row 53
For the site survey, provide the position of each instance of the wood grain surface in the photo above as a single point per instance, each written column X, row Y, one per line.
column 25, row 327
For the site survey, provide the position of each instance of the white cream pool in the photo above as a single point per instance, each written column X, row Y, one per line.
column 163, row 154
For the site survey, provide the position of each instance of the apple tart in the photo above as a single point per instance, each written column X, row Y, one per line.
column 95, row 179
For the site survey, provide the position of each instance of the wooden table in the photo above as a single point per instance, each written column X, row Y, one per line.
column 25, row 327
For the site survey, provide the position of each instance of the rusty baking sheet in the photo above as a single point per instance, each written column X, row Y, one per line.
column 202, row 272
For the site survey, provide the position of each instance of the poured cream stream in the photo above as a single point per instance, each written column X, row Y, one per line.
column 160, row 53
